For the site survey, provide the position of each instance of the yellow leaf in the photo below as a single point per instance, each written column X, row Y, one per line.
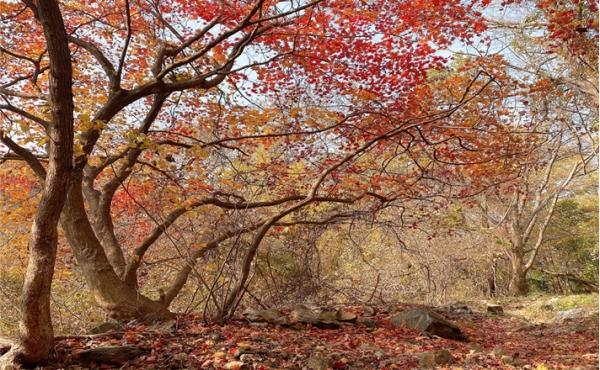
column 84, row 117
column 78, row 150
column 204, row 154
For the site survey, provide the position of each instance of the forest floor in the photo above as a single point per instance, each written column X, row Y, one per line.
column 527, row 340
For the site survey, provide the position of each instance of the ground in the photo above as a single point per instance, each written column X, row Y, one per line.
column 508, row 341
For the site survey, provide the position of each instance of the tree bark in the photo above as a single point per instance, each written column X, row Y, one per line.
column 120, row 300
column 518, row 281
column 36, row 336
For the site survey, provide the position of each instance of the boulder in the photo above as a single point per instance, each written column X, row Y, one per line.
column 165, row 327
column 319, row 362
column 369, row 310
column 112, row 354
column 283, row 321
column 499, row 352
column 370, row 323
column 344, row 316
column 569, row 315
column 459, row 308
column 428, row 322
column 254, row 315
column 337, row 315
column 495, row 309
column 303, row 315
column 106, row 327
column 437, row 358
column 330, row 315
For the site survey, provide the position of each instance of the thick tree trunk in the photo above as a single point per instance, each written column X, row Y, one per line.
column 120, row 300
column 36, row 336
column 518, row 282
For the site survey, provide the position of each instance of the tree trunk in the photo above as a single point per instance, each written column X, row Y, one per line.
column 121, row 301
column 36, row 336
column 492, row 287
column 518, row 282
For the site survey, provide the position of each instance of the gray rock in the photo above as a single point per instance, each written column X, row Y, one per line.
column 568, row 315
column 165, row 327
column 499, row 352
column 303, row 315
column 259, row 324
column 428, row 322
column 344, row 316
column 495, row 309
column 254, row 315
column 370, row 323
column 437, row 358
column 283, row 321
column 306, row 316
column 111, row 355
column 460, row 308
column 369, row 310
column 106, row 327
column 319, row 362
column 330, row 315
column 476, row 348
column 216, row 337
column 507, row 360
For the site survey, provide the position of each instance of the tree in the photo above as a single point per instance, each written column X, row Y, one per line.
column 553, row 48
column 250, row 116
column 36, row 338
column 556, row 41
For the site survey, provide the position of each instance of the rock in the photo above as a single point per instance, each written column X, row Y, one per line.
column 319, row 362
column 216, row 337
column 547, row 307
column 370, row 323
column 369, row 310
column 259, row 324
column 476, row 348
column 234, row 365
column 495, row 309
column 326, row 325
column 437, row 358
column 569, row 315
column 532, row 327
column 106, row 327
column 391, row 309
column 283, row 321
column 254, row 315
column 347, row 317
column 112, row 354
column 507, row 360
column 337, row 315
column 460, row 308
column 499, row 352
column 306, row 316
column 330, row 315
column 428, row 322
column 165, row 327
column 303, row 315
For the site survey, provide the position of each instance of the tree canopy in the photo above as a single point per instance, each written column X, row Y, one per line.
column 190, row 140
